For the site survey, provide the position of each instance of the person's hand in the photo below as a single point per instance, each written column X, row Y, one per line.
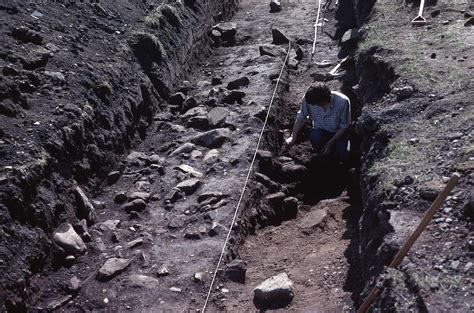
column 327, row 149
column 289, row 142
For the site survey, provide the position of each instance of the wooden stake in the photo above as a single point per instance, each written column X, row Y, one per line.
column 414, row 236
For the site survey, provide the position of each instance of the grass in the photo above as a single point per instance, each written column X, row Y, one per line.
column 163, row 14
column 412, row 46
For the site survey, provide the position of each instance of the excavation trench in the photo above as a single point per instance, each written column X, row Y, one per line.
column 167, row 210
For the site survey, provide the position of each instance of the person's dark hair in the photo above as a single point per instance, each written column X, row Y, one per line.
column 318, row 93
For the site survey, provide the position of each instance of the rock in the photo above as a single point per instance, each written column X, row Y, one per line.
column 113, row 177
column 292, row 64
column 191, row 171
column 468, row 207
column 9, row 108
column 435, row 13
column 135, row 156
column 174, row 195
column 403, row 92
column 188, row 104
column 120, row 198
column 216, row 37
column 430, row 190
column 198, row 122
column 200, row 277
column 189, row 186
column 68, row 241
column 236, row 271
column 26, row 35
column 217, row 116
column 82, row 230
column 145, row 196
column 74, row 284
column 275, row 199
column 292, row 170
column 290, row 208
column 112, row 267
column 469, row 22
column 177, row 99
column 57, row 78
column 39, row 58
column 238, row 83
column 9, row 71
column 134, row 243
column 184, row 148
column 175, row 289
column 84, row 207
column 233, row 96
column 213, row 138
column 312, row 220
column 216, row 81
column 467, row 267
column 279, row 38
column 136, row 205
column 212, row 156
column 155, row 159
column 299, row 54
column 275, row 6
column 350, row 38
column 143, row 281
column 215, row 229
column 274, row 293
column 211, row 194
column 56, row 304
column 267, row 182
column 192, row 234
column 162, row 271
column 455, row 265
column 228, row 31
column 110, row 224
column 271, row 50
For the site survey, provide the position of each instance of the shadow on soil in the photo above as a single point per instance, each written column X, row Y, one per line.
column 327, row 179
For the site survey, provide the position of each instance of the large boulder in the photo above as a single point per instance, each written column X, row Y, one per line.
column 85, row 209
column 274, row 293
column 112, row 267
column 236, row 271
column 68, row 241
column 272, row 50
column 217, row 116
column 234, row 96
column 227, row 30
column 279, row 38
column 189, row 186
column 243, row 81
column 213, row 138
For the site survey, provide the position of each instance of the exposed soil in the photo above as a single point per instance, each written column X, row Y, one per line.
column 156, row 119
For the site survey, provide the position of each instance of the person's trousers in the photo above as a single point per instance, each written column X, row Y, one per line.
column 319, row 138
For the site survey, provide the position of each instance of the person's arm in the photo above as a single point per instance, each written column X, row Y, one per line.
column 301, row 118
column 344, row 123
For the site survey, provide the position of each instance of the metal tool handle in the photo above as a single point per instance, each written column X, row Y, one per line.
column 422, row 6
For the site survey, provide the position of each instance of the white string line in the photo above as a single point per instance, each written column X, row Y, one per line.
column 246, row 182
column 316, row 30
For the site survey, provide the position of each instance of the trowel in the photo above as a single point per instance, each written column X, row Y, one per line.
column 419, row 20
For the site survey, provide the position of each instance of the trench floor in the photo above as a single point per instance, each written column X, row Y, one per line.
column 317, row 256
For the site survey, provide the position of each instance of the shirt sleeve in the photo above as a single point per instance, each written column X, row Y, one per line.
column 345, row 120
column 303, row 112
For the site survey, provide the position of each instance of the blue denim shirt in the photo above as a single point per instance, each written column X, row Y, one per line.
column 337, row 116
